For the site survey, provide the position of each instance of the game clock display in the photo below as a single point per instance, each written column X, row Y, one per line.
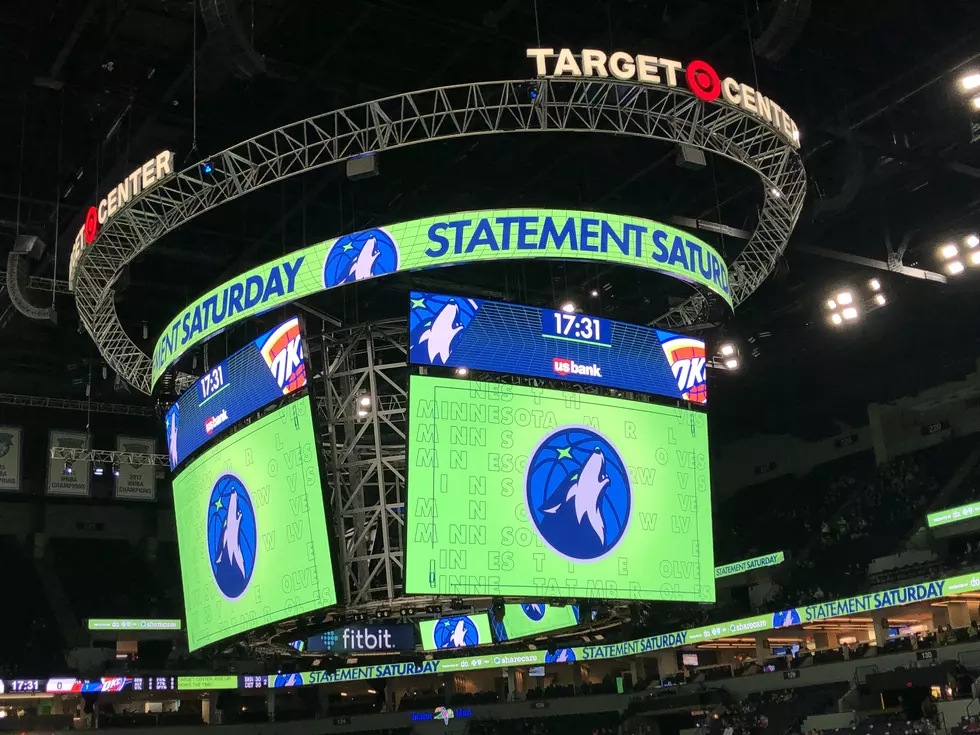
column 455, row 331
column 520, row 491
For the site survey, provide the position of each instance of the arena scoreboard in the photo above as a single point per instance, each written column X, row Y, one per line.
column 456, row 331
column 455, row 631
column 527, row 492
column 532, row 619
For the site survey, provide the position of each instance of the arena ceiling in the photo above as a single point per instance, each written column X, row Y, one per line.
column 95, row 87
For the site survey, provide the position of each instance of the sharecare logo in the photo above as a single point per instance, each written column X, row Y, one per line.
column 215, row 421
column 563, row 366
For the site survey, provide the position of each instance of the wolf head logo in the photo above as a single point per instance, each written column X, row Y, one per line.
column 439, row 337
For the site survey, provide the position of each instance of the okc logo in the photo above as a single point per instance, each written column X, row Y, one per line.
column 534, row 612
column 232, row 536
column 360, row 256
column 283, row 353
column 455, row 632
column 687, row 362
column 561, row 656
column 577, row 493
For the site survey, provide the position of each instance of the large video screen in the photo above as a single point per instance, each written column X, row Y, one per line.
column 548, row 343
column 251, row 528
column 526, row 492
column 455, row 631
column 263, row 371
column 532, row 619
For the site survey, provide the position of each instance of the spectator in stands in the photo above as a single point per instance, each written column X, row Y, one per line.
column 971, row 630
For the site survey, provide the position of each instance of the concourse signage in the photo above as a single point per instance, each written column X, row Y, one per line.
column 453, row 239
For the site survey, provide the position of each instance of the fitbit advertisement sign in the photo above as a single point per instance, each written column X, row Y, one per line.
column 360, row 639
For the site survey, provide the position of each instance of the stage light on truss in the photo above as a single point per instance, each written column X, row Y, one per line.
column 207, row 168
column 949, row 250
column 731, row 363
column 836, row 319
column 115, row 470
column 831, row 304
column 955, row 268
column 880, row 299
column 462, row 371
column 727, row 349
column 568, row 307
column 844, row 298
column 68, row 467
column 972, row 241
column 593, row 293
column 364, row 401
column 850, row 313
column 874, row 284
column 976, row 102
column 362, row 413
column 776, row 193
column 98, row 470
column 969, row 82
column 975, row 257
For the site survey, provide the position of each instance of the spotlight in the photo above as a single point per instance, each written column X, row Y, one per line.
column 875, row 284
column 568, row 307
column 532, row 92
column 796, row 135
column 365, row 401
column 850, row 313
column 955, row 268
column 98, row 470
column 831, row 304
column 948, row 251
column 207, row 168
column 593, row 293
column 844, row 298
column 970, row 82
column 976, row 102
column 362, row 413
column 972, row 241
column 727, row 349
column 731, row 363
column 836, row 318
column 115, row 470
column 880, row 299
column 975, row 257
column 776, row 193
column 462, row 372
column 68, row 468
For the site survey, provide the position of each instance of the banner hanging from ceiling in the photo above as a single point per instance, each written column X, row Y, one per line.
column 11, row 438
column 135, row 481
column 68, row 478
column 454, row 239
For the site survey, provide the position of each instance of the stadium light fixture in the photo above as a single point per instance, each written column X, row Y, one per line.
column 880, row 299
column 98, row 470
column 976, row 102
column 731, row 363
column 955, row 268
column 593, row 293
column 850, row 313
column 727, row 349
column 969, row 82
column 836, row 318
column 875, row 284
column 831, row 304
column 975, row 257
column 568, row 307
column 972, row 241
column 68, row 467
column 365, row 401
column 462, row 372
column 362, row 413
column 776, row 193
column 949, row 250
column 844, row 298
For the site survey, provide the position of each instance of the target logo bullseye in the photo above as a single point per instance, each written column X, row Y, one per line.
column 91, row 224
column 703, row 81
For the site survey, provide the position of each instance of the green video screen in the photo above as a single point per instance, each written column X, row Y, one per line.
column 527, row 492
column 251, row 528
column 532, row 619
column 455, row 631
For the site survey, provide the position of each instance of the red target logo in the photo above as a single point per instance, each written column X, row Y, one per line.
column 703, row 80
column 91, row 224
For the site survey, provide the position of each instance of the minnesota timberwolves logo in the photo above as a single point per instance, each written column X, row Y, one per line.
column 360, row 256
column 534, row 612
column 232, row 535
column 577, row 493
column 561, row 656
column 455, row 632
column 435, row 324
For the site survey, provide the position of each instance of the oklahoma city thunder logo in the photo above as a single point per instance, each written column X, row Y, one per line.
column 534, row 612
column 577, row 493
column 360, row 256
column 687, row 362
column 232, row 535
column 455, row 632
column 282, row 351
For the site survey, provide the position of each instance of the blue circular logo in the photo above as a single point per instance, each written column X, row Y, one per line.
column 232, row 535
column 360, row 256
column 534, row 612
column 455, row 632
column 561, row 656
column 577, row 493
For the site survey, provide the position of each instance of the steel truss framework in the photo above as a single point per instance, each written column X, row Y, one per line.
column 136, row 459
column 597, row 106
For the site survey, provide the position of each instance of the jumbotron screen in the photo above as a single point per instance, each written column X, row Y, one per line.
column 455, row 631
column 532, row 619
column 252, row 530
column 527, row 492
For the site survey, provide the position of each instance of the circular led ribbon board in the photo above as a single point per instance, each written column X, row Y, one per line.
column 672, row 114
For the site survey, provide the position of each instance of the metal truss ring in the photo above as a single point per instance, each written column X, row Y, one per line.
column 607, row 106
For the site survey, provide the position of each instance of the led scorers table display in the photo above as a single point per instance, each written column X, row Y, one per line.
column 515, row 490
column 455, row 631
column 548, row 343
column 532, row 619
column 251, row 528
column 266, row 369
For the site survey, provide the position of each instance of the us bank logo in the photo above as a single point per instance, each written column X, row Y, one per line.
column 577, row 493
column 535, row 612
column 360, row 256
column 232, row 536
column 455, row 632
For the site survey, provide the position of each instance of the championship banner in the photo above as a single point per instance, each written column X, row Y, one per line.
column 136, row 482
column 10, row 451
column 455, row 239
column 68, row 478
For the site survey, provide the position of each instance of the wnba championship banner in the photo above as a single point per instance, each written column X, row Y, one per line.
column 11, row 438
column 455, row 239
column 68, row 478
column 136, row 481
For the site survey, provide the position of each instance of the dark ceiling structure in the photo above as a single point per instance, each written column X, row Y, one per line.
column 95, row 87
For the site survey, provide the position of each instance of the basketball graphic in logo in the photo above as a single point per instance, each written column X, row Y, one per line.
column 455, row 632
column 232, row 536
column 360, row 256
